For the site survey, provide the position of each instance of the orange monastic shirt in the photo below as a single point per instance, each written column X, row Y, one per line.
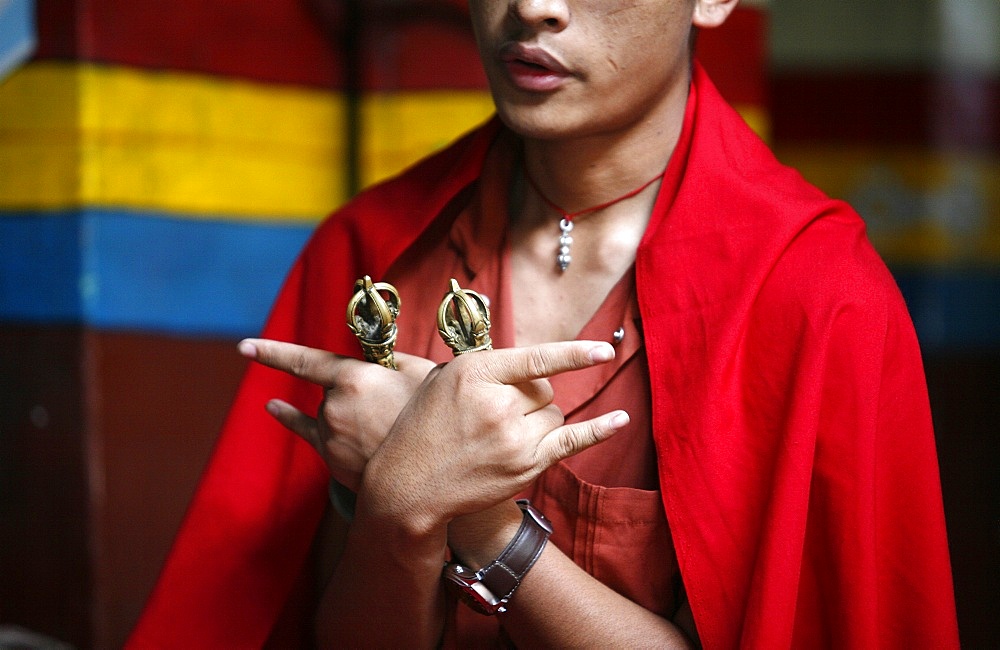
column 605, row 502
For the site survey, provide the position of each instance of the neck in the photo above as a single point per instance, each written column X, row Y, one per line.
column 590, row 170
column 602, row 237
column 575, row 182
column 578, row 173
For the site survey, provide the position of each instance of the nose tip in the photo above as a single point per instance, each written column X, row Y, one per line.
column 548, row 14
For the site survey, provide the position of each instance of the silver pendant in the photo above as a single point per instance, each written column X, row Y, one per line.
column 565, row 241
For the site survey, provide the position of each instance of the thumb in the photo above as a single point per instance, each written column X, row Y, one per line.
column 569, row 439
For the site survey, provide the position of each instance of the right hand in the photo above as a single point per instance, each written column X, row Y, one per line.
column 360, row 400
column 479, row 430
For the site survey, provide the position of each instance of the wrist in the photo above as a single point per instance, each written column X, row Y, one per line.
column 478, row 538
column 489, row 590
column 378, row 504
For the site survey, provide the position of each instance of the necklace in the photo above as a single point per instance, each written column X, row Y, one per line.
column 566, row 222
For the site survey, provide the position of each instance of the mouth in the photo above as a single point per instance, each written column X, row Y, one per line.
column 532, row 68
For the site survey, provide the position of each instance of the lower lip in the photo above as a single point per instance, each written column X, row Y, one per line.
column 529, row 77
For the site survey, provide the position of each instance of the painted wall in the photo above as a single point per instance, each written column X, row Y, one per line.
column 162, row 163
column 895, row 106
column 160, row 166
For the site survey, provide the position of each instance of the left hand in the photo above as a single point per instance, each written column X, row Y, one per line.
column 360, row 400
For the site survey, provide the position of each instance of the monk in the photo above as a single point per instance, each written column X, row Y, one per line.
column 703, row 421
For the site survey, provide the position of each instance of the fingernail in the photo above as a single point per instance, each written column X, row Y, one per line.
column 602, row 352
column 272, row 408
column 619, row 420
column 247, row 349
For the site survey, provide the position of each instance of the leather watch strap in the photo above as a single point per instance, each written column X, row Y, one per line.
column 503, row 576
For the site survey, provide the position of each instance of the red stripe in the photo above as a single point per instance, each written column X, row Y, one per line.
column 281, row 41
column 404, row 46
column 57, row 28
column 268, row 41
column 905, row 108
column 735, row 56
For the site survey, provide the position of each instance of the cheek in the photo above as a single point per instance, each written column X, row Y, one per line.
column 485, row 21
column 633, row 40
column 640, row 66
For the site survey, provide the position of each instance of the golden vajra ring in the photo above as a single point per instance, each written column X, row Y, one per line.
column 371, row 315
column 464, row 320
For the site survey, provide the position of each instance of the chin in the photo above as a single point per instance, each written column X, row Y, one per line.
column 541, row 123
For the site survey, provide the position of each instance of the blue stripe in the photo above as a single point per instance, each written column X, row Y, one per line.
column 138, row 271
column 17, row 34
column 150, row 272
column 39, row 268
column 953, row 308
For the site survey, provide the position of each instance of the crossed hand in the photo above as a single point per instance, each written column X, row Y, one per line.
column 464, row 435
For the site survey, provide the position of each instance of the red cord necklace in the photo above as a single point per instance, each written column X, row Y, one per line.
column 566, row 222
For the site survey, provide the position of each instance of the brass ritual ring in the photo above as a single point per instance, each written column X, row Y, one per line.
column 371, row 315
column 464, row 320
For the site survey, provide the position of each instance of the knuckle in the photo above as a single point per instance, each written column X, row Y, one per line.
column 538, row 363
column 544, row 391
column 502, row 403
column 350, row 379
column 588, row 435
column 510, row 445
column 344, row 375
column 555, row 414
column 464, row 369
column 574, row 439
column 328, row 411
column 556, row 448
column 494, row 410
column 300, row 364
column 333, row 418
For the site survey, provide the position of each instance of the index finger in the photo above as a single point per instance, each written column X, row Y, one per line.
column 316, row 366
column 517, row 365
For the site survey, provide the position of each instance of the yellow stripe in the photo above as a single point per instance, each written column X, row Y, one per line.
column 196, row 145
column 921, row 206
column 400, row 129
column 757, row 118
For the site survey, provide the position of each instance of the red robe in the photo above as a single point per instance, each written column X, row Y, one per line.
column 790, row 415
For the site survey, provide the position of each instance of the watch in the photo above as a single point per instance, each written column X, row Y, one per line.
column 488, row 590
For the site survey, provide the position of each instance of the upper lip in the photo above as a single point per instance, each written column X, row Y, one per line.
column 513, row 51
